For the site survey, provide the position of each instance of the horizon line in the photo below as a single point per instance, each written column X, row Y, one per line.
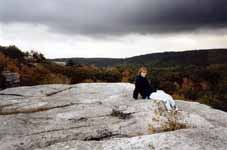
column 171, row 51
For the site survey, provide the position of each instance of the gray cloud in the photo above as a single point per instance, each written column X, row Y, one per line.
column 113, row 17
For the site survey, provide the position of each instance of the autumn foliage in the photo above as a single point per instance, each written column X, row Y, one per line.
column 206, row 84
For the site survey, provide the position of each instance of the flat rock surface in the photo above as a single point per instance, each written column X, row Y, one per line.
column 100, row 116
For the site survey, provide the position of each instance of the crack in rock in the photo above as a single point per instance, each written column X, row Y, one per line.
column 121, row 115
column 56, row 92
column 104, row 135
column 34, row 110
column 56, row 130
column 8, row 94
column 46, row 95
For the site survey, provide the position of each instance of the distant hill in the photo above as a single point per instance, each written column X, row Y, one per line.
column 99, row 62
column 165, row 59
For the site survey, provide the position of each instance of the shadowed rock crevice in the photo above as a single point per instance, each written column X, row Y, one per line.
column 56, row 92
column 104, row 135
column 18, row 95
column 30, row 110
column 57, row 130
column 120, row 114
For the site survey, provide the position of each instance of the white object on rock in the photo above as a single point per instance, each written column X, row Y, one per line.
column 166, row 98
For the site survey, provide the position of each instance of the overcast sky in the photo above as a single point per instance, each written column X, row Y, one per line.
column 112, row 28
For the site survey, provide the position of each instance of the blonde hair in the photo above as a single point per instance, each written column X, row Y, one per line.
column 142, row 69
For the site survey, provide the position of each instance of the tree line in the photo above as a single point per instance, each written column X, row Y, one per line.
column 205, row 83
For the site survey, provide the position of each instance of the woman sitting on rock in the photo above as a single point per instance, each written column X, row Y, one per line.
column 142, row 86
column 149, row 91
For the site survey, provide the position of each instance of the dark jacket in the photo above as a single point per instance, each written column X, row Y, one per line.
column 143, row 87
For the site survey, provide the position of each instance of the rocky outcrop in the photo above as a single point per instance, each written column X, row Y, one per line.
column 91, row 116
column 12, row 79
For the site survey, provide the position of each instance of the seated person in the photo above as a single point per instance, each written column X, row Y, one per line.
column 147, row 91
column 142, row 86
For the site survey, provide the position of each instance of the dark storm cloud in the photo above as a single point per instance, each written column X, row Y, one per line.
column 113, row 17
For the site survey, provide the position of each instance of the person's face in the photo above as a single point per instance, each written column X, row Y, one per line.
column 143, row 74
